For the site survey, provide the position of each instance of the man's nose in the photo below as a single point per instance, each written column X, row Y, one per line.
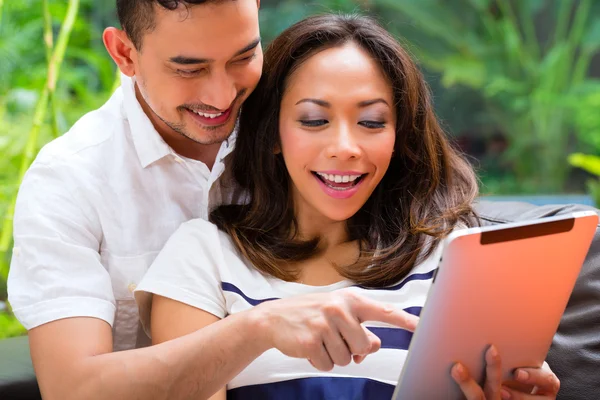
column 219, row 91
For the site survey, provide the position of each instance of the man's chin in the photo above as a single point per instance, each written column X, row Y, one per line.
column 212, row 135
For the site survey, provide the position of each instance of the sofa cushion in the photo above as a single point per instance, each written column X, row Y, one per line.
column 575, row 352
column 17, row 379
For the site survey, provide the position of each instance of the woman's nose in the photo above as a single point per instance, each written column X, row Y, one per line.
column 344, row 144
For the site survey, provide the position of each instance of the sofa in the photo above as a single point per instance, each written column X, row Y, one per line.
column 574, row 355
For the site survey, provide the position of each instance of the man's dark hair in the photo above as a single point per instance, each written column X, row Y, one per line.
column 137, row 16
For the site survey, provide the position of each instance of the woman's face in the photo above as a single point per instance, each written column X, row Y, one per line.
column 338, row 129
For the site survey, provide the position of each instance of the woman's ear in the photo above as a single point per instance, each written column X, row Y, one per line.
column 277, row 148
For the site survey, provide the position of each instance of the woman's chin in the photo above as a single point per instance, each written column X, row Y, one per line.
column 339, row 214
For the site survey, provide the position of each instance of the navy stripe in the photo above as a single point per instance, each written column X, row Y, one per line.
column 392, row 338
column 228, row 287
column 410, row 278
column 414, row 310
column 315, row 389
column 395, row 338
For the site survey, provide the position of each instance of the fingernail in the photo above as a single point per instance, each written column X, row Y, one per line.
column 459, row 372
column 522, row 375
column 505, row 394
column 494, row 352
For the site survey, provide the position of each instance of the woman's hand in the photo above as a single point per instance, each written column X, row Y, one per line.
column 545, row 383
column 326, row 328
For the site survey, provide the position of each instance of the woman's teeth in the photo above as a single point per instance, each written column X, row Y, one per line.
column 206, row 115
column 339, row 178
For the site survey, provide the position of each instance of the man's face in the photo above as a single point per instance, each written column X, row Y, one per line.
column 196, row 68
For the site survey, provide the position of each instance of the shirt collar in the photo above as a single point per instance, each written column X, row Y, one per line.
column 148, row 143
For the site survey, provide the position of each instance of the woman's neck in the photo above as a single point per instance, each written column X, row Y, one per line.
column 331, row 233
column 335, row 247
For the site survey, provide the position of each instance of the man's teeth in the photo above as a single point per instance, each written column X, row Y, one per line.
column 339, row 178
column 206, row 115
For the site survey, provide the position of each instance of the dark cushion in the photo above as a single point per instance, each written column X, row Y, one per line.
column 17, row 379
column 575, row 352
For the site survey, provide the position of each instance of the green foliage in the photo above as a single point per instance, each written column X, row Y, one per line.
column 9, row 326
column 494, row 47
column 591, row 164
column 586, row 114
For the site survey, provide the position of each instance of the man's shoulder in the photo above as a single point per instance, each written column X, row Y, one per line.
column 94, row 138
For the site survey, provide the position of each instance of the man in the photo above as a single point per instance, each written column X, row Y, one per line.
column 100, row 202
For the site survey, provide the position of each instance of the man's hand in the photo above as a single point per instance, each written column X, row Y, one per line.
column 326, row 328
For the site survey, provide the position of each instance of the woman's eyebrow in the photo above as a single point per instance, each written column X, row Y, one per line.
column 368, row 103
column 318, row 102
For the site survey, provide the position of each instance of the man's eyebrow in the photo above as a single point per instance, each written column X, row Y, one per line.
column 251, row 46
column 318, row 102
column 368, row 103
column 184, row 60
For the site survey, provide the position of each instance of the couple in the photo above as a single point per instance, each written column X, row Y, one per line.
column 327, row 214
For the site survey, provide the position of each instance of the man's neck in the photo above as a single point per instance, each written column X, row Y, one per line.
column 181, row 144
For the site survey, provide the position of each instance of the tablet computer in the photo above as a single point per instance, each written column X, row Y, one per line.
column 506, row 285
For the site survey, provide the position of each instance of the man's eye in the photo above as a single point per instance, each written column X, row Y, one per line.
column 189, row 73
column 372, row 124
column 247, row 59
column 312, row 123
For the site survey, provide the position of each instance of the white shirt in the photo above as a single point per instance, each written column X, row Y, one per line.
column 200, row 266
column 93, row 211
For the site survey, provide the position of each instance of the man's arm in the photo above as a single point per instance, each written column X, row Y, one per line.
column 73, row 360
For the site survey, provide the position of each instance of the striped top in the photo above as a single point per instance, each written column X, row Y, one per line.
column 200, row 266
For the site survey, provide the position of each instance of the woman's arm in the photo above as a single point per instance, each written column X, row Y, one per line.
column 172, row 319
column 324, row 328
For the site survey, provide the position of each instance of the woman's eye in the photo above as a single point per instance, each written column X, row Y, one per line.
column 372, row 124
column 312, row 123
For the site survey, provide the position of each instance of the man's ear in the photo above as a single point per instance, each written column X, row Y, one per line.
column 258, row 3
column 121, row 49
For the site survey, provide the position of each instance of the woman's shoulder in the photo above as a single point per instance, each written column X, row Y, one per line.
column 204, row 233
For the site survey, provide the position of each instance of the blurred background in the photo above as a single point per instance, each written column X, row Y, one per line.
column 516, row 84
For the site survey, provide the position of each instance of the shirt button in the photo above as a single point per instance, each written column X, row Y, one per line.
column 131, row 287
column 16, row 251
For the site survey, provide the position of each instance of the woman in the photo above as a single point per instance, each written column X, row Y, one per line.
column 351, row 185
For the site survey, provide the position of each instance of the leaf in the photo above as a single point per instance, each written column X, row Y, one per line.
column 530, row 7
column 591, row 40
column 463, row 70
column 502, row 84
column 480, row 5
column 586, row 162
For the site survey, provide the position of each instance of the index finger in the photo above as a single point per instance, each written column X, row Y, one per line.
column 370, row 310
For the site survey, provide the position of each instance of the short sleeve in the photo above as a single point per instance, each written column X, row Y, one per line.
column 55, row 271
column 188, row 270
